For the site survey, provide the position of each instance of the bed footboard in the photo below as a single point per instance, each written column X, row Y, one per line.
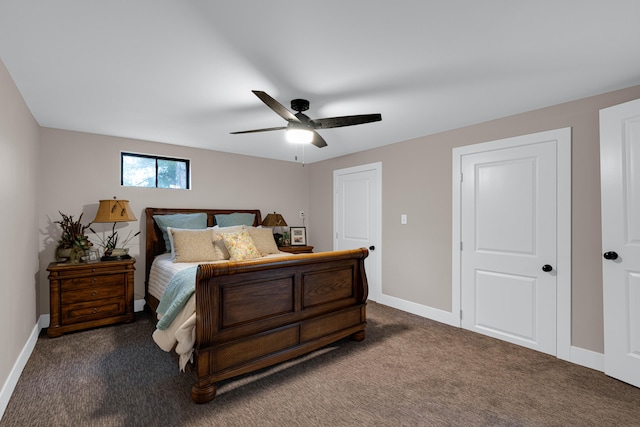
column 250, row 315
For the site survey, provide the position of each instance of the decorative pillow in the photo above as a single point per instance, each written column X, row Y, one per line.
column 240, row 246
column 189, row 221
column 192, row 245
column 218, row 243
column 236, row 218
column 263, row 239
column 172, row 248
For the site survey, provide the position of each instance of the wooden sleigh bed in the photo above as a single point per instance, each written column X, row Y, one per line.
column 257, row 313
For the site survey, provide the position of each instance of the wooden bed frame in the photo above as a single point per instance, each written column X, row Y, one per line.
column 257, row 313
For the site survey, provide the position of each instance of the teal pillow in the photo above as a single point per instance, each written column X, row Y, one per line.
column 191, row 221
column 236, row 218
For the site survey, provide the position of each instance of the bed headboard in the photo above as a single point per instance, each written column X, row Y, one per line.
column 155, row 242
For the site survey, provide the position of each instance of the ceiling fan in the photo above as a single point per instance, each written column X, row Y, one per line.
column 301, row 123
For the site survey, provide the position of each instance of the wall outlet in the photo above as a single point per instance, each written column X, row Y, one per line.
column 302, row 214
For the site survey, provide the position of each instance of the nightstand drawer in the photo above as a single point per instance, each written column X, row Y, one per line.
column 90, row 282
column 92, row 293
column 85, row 311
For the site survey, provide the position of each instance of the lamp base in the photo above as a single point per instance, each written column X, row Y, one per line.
column 115, row 258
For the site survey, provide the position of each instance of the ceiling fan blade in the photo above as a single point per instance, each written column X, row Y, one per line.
column 259, row 130
column 336, row 122
column 276, row 106
column 318, row 141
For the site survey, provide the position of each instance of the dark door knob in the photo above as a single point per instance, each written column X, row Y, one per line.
column 547, row 268
column 372, row 248
column 610, row 255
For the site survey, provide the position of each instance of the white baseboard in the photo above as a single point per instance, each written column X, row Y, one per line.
column 138, row 305
column 420, row 310
column 18, row 366
column 44, row 321
column 587, row 358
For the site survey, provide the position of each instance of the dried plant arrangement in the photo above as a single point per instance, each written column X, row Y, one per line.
column 73, row 233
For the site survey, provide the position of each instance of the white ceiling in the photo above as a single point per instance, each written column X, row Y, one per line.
column 182, row 72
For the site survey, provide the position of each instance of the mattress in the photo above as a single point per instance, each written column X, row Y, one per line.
column 163, row 269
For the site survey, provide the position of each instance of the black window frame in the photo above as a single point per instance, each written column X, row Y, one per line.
column 187, row 163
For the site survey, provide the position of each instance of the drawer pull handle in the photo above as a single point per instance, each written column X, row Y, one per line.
column 95, row 293
column 94, row 279
column 95, row 310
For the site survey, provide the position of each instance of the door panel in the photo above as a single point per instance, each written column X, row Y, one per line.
column 620, row 185
column 356, row 198
column 357, row 212
column 633, row 292
column 511, row 228
column 508, row 222
column 519, row 315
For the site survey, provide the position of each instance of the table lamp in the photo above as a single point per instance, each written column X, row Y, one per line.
column 114, row 211
column 275, row 220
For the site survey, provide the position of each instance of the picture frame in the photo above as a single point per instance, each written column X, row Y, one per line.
column 93, row 255
column 298, row 236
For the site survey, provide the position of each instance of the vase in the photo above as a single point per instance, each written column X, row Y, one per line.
column 63, row 254
column 76, row 254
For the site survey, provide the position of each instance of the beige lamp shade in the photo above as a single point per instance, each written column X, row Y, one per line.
column 114, row 211
column 274, row 220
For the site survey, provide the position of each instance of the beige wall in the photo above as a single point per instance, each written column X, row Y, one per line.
column 416, row 180
column 19, row 146
column 79, row 169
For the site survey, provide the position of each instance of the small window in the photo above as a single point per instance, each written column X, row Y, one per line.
column 140, row 170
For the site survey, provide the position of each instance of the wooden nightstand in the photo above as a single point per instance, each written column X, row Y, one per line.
column 296, row 249
column 90, row 294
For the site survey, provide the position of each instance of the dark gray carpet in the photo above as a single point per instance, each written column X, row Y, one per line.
column 409, row 371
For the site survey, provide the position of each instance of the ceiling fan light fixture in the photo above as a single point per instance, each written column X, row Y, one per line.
column 300, row 128
column 299, row 136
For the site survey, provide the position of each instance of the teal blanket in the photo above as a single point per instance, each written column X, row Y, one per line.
column 178, row 292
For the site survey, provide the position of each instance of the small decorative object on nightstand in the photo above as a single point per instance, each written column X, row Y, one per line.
column 73, row 243
column 297, row 249
column 87, row 295
column 298, row 236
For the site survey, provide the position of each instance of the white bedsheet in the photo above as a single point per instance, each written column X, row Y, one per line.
column 162, row 270
column 181, row 334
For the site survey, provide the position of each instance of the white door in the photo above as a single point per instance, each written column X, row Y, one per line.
column 357, row 212
column 620, row 185
column 508, row 234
